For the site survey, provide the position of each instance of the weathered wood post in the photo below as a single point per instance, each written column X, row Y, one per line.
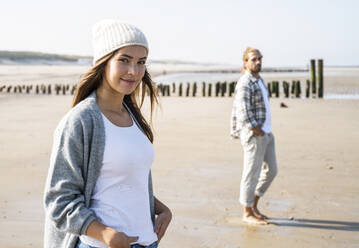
column 49, row 89
column 314, row 84
column 275, row 88
column 286, row 89
column 320, row 78
column 217, row 88
column 210, row 90
column 223, row 88
column 188, row 89
column 37, row 89
column 57, row 89
column 292, row 89
column 168, row 90
column 269, row 89
column 194, row 90
column 307, row 90
column 63, row 89
column 73, row 89
column 297, row 89
column 163, row 90
column 232, row 88
column 173, row 87
column 180, row 89
column 203, row 89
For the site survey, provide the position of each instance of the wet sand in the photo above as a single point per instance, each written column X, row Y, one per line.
column 313, row 201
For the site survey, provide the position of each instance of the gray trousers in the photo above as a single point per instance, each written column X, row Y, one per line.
column 259, row 167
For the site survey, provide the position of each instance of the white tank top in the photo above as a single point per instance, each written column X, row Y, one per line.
column 120, row 199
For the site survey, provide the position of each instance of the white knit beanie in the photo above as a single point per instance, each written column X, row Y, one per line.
column 110, row 35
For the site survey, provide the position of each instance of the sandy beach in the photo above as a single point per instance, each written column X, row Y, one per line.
column 313, row 201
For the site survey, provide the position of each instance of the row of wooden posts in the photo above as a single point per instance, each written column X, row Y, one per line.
column 219, row 89
column 58, row 89
column 226, row 89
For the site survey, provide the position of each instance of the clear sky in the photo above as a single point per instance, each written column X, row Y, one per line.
column 288, row 32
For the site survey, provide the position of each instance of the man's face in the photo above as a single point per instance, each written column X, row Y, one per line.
column 254, row 63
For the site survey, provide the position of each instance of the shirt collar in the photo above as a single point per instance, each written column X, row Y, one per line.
column 251, row 78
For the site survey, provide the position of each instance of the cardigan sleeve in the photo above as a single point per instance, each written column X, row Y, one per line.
column 64, row 191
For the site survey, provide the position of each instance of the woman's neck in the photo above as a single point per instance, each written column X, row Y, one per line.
column 108, row 99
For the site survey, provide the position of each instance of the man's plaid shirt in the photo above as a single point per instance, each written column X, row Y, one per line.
column 248, row 107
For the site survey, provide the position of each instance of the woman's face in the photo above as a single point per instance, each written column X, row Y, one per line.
column 125, row 70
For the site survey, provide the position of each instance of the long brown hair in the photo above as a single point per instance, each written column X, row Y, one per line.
column 93, row 78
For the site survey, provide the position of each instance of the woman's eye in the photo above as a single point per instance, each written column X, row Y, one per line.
column 124, row 60
column 141, row 62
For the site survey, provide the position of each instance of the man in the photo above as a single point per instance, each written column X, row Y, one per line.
column 251, row 121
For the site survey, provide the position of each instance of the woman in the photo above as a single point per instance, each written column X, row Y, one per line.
column 99, row 190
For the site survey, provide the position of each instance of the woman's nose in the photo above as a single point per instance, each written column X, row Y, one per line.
column 133, row 69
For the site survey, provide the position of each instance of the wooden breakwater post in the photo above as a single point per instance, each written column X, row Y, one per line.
column 218, row 86
column 203, row 89
column 168, row 90
column 292, row 88
column 173, row 88
column 269, row 89
column 194, row 89
column 286, row 89
column 307, row 90
column 180, row 90
column 28, row 89
column 43, row 89
column 275, row 88
column 73, row 89
column 232, row 88
column 223, row 88
column 313, row 74
column 188, row 89
column 209, row 90
column 297, row 89
column 320, row 78
column 57, row 89
column 49, row 89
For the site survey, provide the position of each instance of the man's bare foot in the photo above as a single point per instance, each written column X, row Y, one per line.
column 258, row 214
column 251, row 219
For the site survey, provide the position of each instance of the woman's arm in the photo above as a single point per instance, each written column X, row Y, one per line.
column 163, row 218
column 64, row 192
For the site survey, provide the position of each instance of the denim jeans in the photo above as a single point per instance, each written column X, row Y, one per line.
column 83, row 245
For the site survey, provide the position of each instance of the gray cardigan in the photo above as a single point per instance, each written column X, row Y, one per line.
column 75, row 163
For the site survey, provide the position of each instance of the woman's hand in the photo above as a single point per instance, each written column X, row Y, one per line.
column 119, row 240
column 162, row 220
column 109, row 236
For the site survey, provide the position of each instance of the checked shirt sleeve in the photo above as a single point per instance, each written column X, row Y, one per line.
column 243, row 113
